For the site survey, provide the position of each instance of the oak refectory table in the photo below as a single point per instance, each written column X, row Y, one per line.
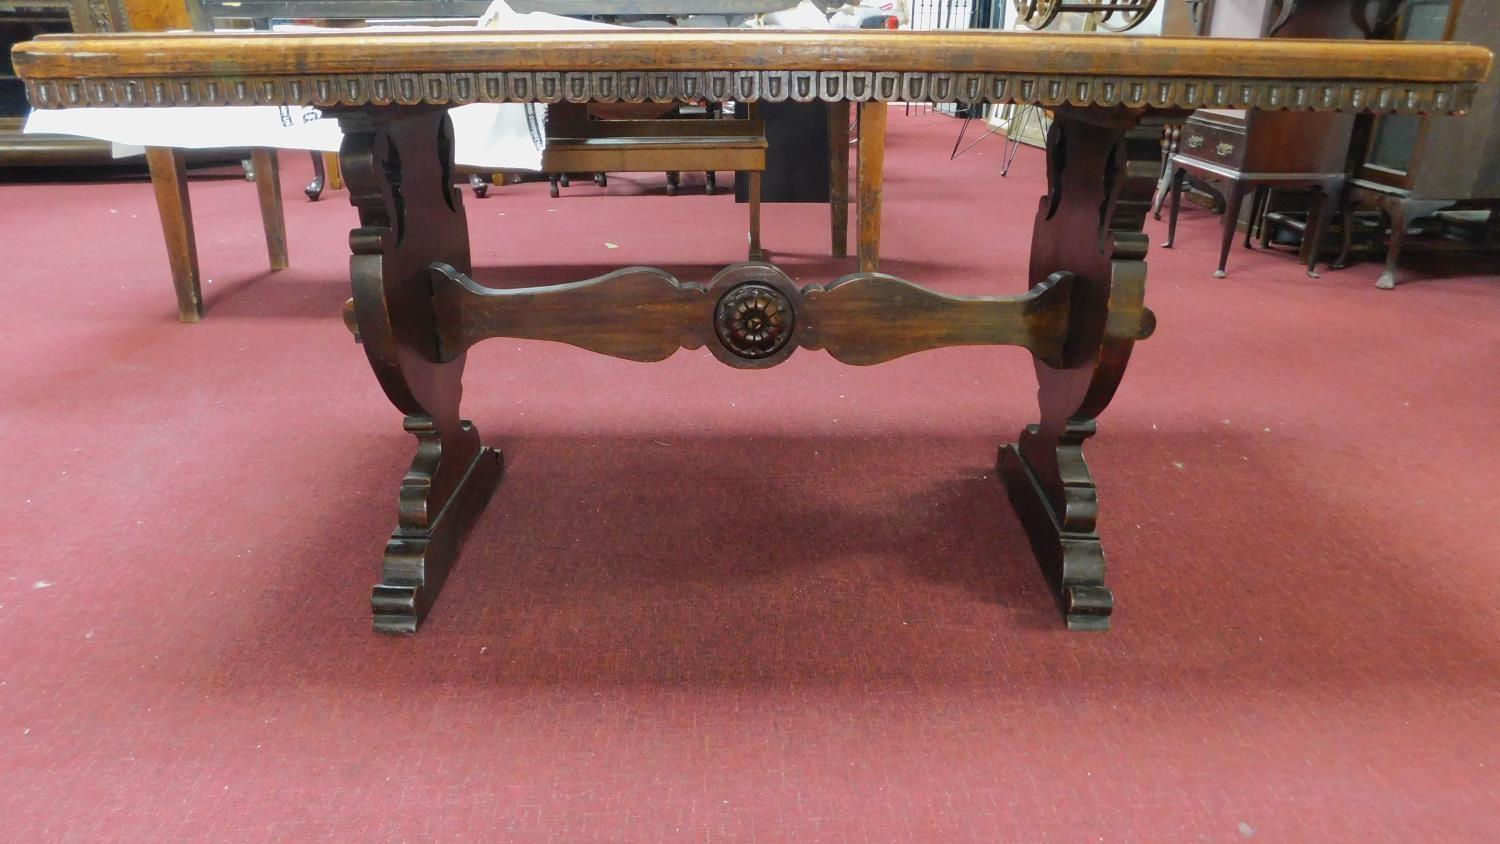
column 417, row 311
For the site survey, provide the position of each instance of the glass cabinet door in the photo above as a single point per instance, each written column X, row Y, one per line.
column 1394, row 137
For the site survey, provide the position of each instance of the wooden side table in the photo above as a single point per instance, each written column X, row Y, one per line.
column 1220, row 146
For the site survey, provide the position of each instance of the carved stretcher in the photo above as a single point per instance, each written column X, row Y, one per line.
column 417, row 310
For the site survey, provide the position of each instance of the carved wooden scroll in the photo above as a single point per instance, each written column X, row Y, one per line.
column 1101, row 168
column 750, row 315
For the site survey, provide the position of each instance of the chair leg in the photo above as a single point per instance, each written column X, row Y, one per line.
column 1388, row 278
column 1349, row 212
column 268, row 188
column 1163, row 187
column 838, row 177
column 1264, row 230
column 1258, row 202
column 169, row 180
column 1404, row 212
column 872, row 120
column 1318, row 219
column 314, row 189
column 756, row 253
column 334, row 170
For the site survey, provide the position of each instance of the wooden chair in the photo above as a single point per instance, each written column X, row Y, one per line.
column 169, row 180
column 169, row 174
column 577, row 143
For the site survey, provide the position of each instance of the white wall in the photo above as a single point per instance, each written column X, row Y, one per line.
column 1237, row 18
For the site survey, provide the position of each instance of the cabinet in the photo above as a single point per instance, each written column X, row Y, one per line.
column 22, row 20
column 1249, row 154
column 1411, row 167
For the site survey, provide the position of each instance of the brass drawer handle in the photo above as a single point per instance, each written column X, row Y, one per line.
column 1224, row 150
column 1195, row 141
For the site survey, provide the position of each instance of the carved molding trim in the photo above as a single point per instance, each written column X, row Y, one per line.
column 754, row 320
column 753, row 86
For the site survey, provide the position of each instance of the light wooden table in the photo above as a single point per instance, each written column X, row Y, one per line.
column 417, row 310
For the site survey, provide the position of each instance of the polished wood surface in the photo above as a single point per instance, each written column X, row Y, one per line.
column 1100, row 176
column 398, row 165
column 261, row 54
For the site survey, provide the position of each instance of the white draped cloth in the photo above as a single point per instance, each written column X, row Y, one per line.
column 507, row 136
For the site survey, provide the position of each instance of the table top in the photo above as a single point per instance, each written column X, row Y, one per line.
column 449, row 68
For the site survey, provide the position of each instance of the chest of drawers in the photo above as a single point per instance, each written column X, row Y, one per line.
column 1216, row 135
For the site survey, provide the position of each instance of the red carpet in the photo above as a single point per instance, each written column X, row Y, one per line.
column 712, row 605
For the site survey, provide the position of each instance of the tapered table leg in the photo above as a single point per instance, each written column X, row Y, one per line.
column 398, row 165
column 169, row 180
column 1234, row 201
column 1101, row 170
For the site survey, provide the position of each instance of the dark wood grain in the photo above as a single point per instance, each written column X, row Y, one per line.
column 398, row 164
column 1101, row 169
column 637, row 313
column 646, row 314
column 870, row 318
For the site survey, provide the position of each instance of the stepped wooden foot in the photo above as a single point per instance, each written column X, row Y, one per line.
column 1066, row 545
column 417, row 559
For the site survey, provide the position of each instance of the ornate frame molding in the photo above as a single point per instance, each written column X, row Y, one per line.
column 461, row 88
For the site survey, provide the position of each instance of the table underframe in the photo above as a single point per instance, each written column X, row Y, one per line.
column 417, row 311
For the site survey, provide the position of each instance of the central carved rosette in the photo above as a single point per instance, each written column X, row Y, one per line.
column 753, row 320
